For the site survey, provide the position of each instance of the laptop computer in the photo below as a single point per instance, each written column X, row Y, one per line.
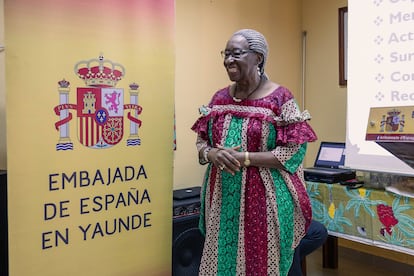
column 328, row 163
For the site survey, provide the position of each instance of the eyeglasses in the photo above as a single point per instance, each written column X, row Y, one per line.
column 235, row 53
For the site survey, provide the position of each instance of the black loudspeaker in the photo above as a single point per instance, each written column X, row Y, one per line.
column 4, row 245
column 187, row 240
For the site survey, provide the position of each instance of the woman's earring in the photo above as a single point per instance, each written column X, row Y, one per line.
column 258, row 71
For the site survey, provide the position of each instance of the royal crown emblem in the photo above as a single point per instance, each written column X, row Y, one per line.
column 99, row 107
column 99, row 72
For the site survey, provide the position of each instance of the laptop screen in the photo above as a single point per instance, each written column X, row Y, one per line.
column 330, row 155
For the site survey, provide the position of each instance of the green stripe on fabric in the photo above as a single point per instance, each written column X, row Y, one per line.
column 285, row 209
column 230, row 210
column 296, row 160
column 271, row 141
column 210, row 132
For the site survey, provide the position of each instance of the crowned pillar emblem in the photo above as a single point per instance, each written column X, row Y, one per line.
column 99, row 107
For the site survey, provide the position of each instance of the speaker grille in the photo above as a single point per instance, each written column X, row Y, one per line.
column 188, row 241
column 4, row 243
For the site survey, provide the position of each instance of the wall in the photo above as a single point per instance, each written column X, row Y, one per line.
column 202, row 30
column 324, row 98
column 2, row 93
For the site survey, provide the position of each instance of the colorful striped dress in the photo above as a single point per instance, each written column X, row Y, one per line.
column 252, row 221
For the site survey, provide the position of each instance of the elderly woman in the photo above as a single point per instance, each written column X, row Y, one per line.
column 253, row 137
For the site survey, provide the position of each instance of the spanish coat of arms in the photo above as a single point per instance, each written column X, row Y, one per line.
column 393, row 121
column 99, row 107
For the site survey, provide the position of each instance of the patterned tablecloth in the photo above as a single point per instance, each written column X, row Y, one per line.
column 370, row 216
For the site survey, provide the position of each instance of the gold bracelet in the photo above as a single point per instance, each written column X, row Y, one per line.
column 246, row 159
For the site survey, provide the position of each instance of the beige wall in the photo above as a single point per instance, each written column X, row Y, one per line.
column 2, row 93
column 202, row 30
column 324, row 98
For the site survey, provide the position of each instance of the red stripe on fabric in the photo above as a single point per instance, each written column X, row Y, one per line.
column 255, row 225
column 218, row 133
column 255, row 213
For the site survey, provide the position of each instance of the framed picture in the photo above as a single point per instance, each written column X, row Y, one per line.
column 343, row 42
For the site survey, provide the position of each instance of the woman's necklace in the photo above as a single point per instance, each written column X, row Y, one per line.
column 248, row 95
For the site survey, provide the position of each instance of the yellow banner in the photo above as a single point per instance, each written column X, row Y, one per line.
column 90, row 96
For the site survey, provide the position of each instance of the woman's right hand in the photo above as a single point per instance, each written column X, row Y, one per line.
column 226, row 159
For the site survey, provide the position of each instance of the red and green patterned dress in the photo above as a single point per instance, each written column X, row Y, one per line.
column 253, row 220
